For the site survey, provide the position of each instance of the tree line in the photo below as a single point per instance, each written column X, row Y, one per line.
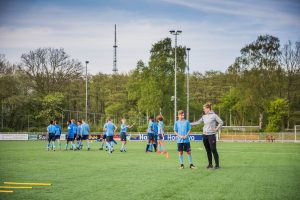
column 261, row 87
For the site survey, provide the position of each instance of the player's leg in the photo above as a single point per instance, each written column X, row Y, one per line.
column 208, row 151
column 180, row 154
column 67, row 143
column 48, row 144
column 158, row 146
column 155, row 142
column 122, row 142
column 79, row 140
column 53, row 142
column 187, row 148
column 213, row 146
column 88, row 143
column 73, row 144
column 148, row 142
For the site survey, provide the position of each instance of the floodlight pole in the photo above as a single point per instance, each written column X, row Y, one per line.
column 177, row 32
column 188, row 85
column 86, row 90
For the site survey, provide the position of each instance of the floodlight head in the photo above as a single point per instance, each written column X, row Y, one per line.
column 179, row 31
column 172, row 31
column 86, row 62
column 188, row 49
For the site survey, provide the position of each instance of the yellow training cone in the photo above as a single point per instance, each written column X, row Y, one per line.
column 16, row 187
column 34, row 184
column 6, row 191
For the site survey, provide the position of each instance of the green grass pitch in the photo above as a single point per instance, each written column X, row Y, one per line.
column 248, row 171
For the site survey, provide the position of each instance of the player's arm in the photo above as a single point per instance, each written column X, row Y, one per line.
column 220, row 122
column 188, row 130
column 175, row 131
column 200, row 121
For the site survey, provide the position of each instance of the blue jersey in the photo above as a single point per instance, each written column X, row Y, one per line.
column 74, row 128
column 70, row 131
column 123, row 128
column 150, row 127
column 79, row 130
column 57, row 129
column 110, row 128
column 155, row 128
column 161, row 127
column 85, row 128
column 182, row 128
column 51, row 129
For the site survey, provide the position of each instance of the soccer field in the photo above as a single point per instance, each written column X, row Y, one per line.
column 248, row 171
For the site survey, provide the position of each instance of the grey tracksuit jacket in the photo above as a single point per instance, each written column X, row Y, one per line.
column 210, row 121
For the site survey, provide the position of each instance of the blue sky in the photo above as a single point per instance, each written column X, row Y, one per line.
column 215, row 30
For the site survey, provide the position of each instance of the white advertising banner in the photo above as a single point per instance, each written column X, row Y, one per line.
column 13, row 136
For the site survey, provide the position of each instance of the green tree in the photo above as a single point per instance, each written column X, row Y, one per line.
column 276, row 113
column 52, row 106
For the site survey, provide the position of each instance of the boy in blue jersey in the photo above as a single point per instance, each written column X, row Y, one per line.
column 110, row 129
column 85, row 133
column 51, row 135
column 155, row 134
column 123, row 134
column 57, row 133
column 79, row 133
column 161, row 132
column 74, row 130
column 70, row 136
column 150, row 135
column 182, row 129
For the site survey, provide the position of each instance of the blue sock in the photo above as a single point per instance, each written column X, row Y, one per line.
column 181, row 159
column 74, row 146
column 89, row 144
column 112, row 145
column 150, row 147
column 79, row 145
column 48, row 145
column 108, row 146
column 67, row 146
column 53, row 145
column 190, row 158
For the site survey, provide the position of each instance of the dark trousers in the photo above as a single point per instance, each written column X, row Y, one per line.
column 210, row 144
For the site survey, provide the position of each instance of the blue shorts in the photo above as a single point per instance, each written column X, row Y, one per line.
column 85, row 137
column 57, row 137
column 150, row 136
column 123, row 136
column 70, row 139
column 104, row 137
column 78, row 138
column 184, row 147
column 109, row 138
column 51, row 137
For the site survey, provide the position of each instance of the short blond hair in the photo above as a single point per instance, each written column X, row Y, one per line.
column 207, row 105
column 180, row 112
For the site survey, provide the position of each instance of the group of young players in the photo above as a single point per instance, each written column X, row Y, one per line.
column 76, row 132
column 80, row 131
column 182, row 129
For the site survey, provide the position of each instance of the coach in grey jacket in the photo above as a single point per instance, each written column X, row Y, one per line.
column 212, row 123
